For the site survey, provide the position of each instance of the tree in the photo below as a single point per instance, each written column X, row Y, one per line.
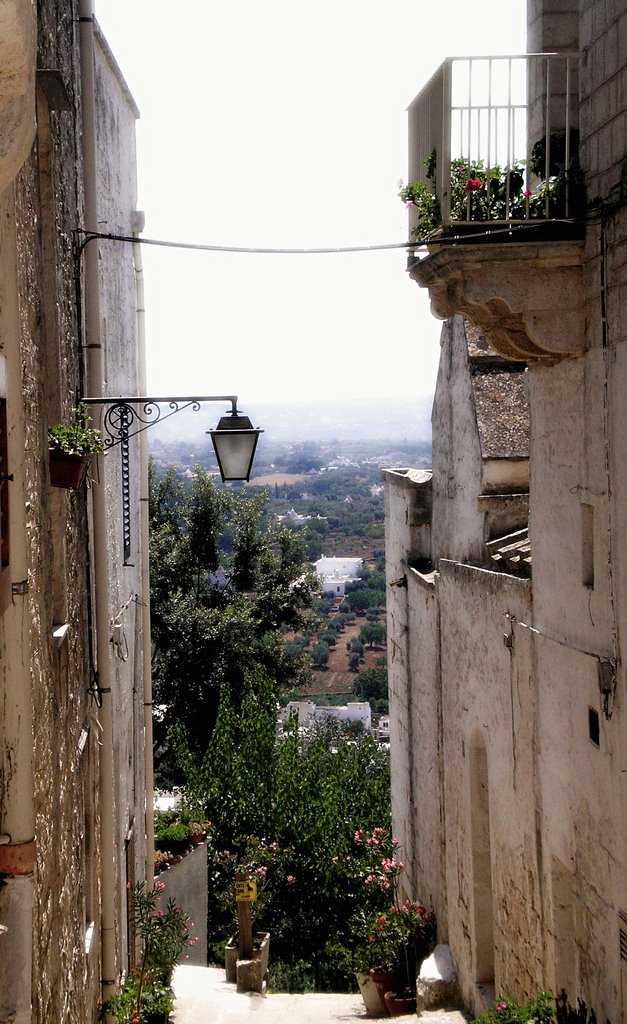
column 372, row 633
column 372, row 684
column 320, row 654
column 225, row 585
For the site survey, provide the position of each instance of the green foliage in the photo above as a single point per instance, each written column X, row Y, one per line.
column 299, row 803
column 372, row 633
column 76, row 438
column 481, row 193
column 225, row 586
column 372, row 684
column 156, row 1003
column 290, row 976
column 507, row 1011
column 359, row 598
column 164, row 934
column 320, row 654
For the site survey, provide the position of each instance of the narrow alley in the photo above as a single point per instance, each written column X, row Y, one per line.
column 204, row 997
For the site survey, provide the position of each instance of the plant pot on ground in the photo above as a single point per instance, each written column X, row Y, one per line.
column 384, row 981
column 399, row 1003
column 369, row 994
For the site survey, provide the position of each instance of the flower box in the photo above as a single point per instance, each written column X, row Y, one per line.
column 248, row 975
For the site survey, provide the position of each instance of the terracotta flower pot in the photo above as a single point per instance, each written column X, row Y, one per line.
column 398, row 1004
column 384, row 981
column 67, row 470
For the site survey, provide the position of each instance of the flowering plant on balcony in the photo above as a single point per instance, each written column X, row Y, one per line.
column 481, row 193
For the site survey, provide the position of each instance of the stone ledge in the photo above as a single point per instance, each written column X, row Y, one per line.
column 526, row 297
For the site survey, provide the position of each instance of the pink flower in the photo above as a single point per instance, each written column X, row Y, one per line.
column 290, row 879
column 527, row 193
column 357, row 836
column 158, row 914
column 193, row 942
column 159, row 886
column 409, row 203
column 501, row 1006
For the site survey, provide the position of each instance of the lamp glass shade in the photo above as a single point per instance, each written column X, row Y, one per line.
column 234, row 442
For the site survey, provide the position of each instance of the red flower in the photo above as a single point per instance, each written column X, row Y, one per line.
column 473, row 185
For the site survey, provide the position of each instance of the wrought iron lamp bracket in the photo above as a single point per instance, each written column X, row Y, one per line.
column 124, row 417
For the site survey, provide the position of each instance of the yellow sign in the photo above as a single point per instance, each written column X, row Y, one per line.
column 246, row 892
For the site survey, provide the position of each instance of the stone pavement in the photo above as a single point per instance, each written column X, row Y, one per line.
column 204, row 997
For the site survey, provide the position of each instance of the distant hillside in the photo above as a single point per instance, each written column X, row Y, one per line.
column 385, row 419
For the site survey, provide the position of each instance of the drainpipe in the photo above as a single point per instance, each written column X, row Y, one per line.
column 138, row 227
column 95, row 386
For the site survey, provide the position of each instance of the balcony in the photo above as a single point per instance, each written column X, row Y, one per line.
column 495, row 140
column 496, row 199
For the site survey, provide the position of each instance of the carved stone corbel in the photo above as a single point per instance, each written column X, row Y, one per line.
column 526, row 297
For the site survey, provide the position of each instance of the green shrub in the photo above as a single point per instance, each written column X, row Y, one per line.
column 295, row 976
column 507, row 1011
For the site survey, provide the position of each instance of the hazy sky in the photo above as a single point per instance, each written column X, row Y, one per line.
column 283, row 124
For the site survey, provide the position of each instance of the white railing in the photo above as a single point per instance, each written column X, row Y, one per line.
column 496, row 139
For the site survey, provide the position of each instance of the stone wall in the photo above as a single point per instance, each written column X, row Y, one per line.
column 602, row 35
column 50, row 781
column 186, row 884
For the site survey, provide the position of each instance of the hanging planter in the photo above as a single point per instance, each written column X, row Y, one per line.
column 70, row 449
column 67, row 469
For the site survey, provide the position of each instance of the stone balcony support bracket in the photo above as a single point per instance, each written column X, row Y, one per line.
column 526, row 297
column 18, row 31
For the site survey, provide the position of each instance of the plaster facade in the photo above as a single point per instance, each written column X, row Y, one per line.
column 71, row 816
column 507, row 688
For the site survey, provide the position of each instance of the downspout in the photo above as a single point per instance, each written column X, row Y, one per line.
column 95, row 384
column 138, row 227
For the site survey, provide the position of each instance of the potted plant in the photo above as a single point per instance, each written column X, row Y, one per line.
column 414, row 931
column 70, row 449
column 147, row 994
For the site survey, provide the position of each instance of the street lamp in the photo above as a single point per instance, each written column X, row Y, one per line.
column 234, row 438
column 235, row 441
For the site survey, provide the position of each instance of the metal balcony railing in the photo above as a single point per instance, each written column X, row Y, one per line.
column 495, row 139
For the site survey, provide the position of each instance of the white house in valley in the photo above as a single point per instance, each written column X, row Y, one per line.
column 335, row 573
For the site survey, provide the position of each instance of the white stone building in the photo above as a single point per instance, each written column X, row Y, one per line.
column 358, row 712
column 335, row 573
column 505, row 631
